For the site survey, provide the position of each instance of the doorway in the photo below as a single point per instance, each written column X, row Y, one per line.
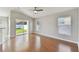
column 22, row 34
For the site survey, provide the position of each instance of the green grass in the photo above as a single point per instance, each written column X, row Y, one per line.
column 20, row 30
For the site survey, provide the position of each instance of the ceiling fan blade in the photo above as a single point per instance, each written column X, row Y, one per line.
column 39, row 10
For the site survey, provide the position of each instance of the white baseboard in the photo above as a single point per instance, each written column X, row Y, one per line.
column 57, row 38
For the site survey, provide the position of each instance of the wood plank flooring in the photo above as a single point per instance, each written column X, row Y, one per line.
column 39, row 43
column 0, row 47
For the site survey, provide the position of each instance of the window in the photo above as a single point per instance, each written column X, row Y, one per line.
column 64, row 25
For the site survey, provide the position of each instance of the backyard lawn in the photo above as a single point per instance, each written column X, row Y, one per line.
column 20, row 30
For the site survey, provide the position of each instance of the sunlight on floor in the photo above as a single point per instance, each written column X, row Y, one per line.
column 21, row 42
column 64, row 48
column 38, row 42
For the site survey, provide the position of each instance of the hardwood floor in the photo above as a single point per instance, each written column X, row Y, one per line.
column 0, row 47
column 39, row 43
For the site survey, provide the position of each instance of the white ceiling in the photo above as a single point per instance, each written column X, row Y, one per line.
column 47, row 11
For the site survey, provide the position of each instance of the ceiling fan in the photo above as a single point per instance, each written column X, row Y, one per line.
column 36, row 10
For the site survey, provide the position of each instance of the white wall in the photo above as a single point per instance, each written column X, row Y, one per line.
column 4, row 14
column 78, row 27
column 18, row 15
column 4, row 11
column 48, row 25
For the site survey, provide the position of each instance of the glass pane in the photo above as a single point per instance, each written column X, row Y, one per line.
column 64, row 25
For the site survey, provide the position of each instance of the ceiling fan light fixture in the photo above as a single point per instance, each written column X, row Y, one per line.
column 35, row 11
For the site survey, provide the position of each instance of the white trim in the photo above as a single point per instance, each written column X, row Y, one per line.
column 9, row 27
column 78, row 44
column 57, row 38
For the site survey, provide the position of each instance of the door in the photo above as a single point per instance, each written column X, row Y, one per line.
column 4, row 32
